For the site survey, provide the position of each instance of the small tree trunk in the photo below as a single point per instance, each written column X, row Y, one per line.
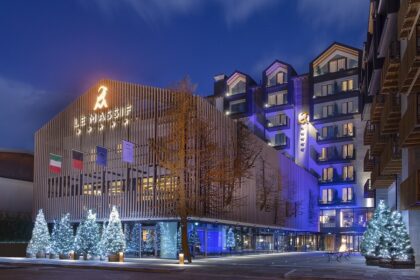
column 184, row 239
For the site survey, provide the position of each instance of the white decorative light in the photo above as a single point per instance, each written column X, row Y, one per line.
column 227, row 113
column 266, row 105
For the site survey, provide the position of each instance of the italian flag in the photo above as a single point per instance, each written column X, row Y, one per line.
column 55, row 163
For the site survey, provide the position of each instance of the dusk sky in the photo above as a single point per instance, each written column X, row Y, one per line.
column 52, row 51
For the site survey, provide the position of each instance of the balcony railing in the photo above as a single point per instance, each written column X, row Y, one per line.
column 378, row 143
column 334, row 157
column 337, row 179
column 410, row 62
column 379, row 180
column 410, row 191
column 368, row 162
column 335, row 137
column 410, row 123
column 407, row 16
column 389, row 75
column 390, row 159
column 378, row 104
column 391, row 114
column 369, row 192
column 336, row 201
column 368, row 133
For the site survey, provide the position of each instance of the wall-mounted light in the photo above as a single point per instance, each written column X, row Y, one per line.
column 270, row 144
column 266, row 105
column 227, row 113
column 270, row 124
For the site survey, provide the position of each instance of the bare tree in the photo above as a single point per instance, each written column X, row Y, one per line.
column 206, row 172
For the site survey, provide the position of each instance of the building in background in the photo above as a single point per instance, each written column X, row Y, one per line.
column 315, row 120
column 390, row 85
column 143, row 191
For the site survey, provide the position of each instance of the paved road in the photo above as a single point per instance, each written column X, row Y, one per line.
column 275, row 266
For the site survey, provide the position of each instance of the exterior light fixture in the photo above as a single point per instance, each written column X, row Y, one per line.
column 270, row 124
column 227, row 113
column 266, row 105
column 101, row 127
column 270, row 144
column 227, row 94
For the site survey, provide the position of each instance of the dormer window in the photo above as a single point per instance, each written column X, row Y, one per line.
column 337, row 65
column 278, row 78
column 237, row 87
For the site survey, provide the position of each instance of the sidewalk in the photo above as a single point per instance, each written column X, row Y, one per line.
column 138, row 265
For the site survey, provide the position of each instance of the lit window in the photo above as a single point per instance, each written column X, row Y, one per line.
column 278, row 120
column 327, row 195
column 347, row 194
column 327, row 174
column 238, row 87
column 347, row 107
column 348, row 173
column 348, row 129
column 348, row 151
column 277, row 98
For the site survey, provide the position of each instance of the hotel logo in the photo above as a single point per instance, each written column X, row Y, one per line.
column 100, row 100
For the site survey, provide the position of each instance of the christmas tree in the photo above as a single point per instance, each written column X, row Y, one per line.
column 114, row 239
column 400, row 245
column 63, row 243
column 375, row 238
column 87, row 237
column 134, row 241
column 127, row 234
column 168, row 242
column 40, row 242
column 178, row 240
column 230, row 241
column 102, row 249
column 193, row 238
column 54, row 238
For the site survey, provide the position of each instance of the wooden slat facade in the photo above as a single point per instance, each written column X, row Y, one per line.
column 143, row 190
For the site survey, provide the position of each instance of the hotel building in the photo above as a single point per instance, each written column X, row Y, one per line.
column 315, row 120
column 390, row 87
column 144, row 191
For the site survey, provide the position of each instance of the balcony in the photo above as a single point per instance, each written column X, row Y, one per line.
column 336, row 201
column 391, row 115
column 407, row 16
column 368, row 162
column 337, row 180
column 378, row 104
column 389, row 75
column 410, row 62
column 380, row 181
column 378, row 143
column 369, row 192
column 368, row 133
column 390, row 159
column 410, row 191
column 281, row 145
column 334, row 138
column 410, row 123
column 334, row 157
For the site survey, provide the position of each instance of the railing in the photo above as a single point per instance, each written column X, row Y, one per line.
column 390, row 159
column 407, row 12
column 337, row 179
column 369, row 192
column 368, row 133
column 377, row 106
column 389, row 80
column 391, row 114
column 319, row 137
column 410, row 122
column 368, row 162
column 410, row 191
column 408, row 64
column 334, row 156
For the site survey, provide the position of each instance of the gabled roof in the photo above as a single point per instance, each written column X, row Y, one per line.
column 237, row 74
column 335, row 46
column 271, row 67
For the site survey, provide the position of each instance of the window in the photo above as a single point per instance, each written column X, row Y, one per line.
column 347, row 85
column 328, row 132
column 348, row 129
column 327, row 218
column 323, row 155
column 337, row 65
column 347, row 194
column 277, row 98
column 276, row 79
column 347, row 107
column 237, row 106
column 327, row 195
column 327, row 89
column 327, row 174
column 280, row 139
column 278, row 120
column 238, row 87
column 348, row 151
column 346, row 218
column 348, row 173
column 327, row 111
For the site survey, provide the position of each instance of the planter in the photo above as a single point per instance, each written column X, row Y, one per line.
column 113, row 258
column 370, row 260
column 395, row 264
column 40, row 255
column 63, row 257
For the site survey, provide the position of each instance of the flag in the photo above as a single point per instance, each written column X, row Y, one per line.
column 101, row 155
column 77, row 159
column 55, row 163
column 127, row 151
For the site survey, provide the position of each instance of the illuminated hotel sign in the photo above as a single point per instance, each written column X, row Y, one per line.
column 100, row 119
column 303, row 118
